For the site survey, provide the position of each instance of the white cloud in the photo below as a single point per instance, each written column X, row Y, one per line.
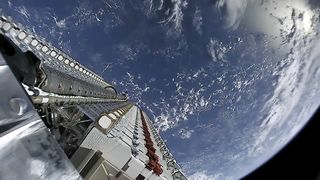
column 186, row 100
column 135, row 90
column 284, row 106
column 126, row 52
column 235, row 10
column 146, row 88
column 197, row 20
column 185, row 134
column 202, row 175
column 217, row 50
column 9, row 3
column 164, row 121
column 97, row 58
column 211, row 50
column 23, row 11
column 176, row 14
column 61, row 23
column 153, row 79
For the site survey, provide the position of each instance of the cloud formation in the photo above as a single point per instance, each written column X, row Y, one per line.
column 197, row 20
column 185, row 134
column 232, row 11
column 217, row 50
column 203, row 175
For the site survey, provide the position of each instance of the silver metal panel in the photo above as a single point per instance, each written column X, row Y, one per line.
column 28, row 150
column 14, row 104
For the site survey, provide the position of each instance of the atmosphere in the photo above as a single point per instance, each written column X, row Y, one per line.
column 227, row 83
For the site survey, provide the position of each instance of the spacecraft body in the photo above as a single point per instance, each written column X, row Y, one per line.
column 60, row 120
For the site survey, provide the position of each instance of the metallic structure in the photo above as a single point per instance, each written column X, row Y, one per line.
column 60, row 120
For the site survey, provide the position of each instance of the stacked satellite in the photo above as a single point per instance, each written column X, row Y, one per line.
column 60, row 120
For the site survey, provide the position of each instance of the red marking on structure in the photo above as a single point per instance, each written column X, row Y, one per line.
column 153, row 158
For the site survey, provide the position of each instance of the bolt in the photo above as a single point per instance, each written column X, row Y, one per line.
column 18, row 105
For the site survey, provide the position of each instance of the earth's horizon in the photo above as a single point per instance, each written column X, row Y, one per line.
column 228, row 83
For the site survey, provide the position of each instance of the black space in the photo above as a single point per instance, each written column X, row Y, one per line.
column 300, row 159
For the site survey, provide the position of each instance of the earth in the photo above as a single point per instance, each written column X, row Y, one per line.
column 228, row 83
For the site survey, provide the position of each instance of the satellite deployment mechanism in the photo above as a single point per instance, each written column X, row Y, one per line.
column 60, row 120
